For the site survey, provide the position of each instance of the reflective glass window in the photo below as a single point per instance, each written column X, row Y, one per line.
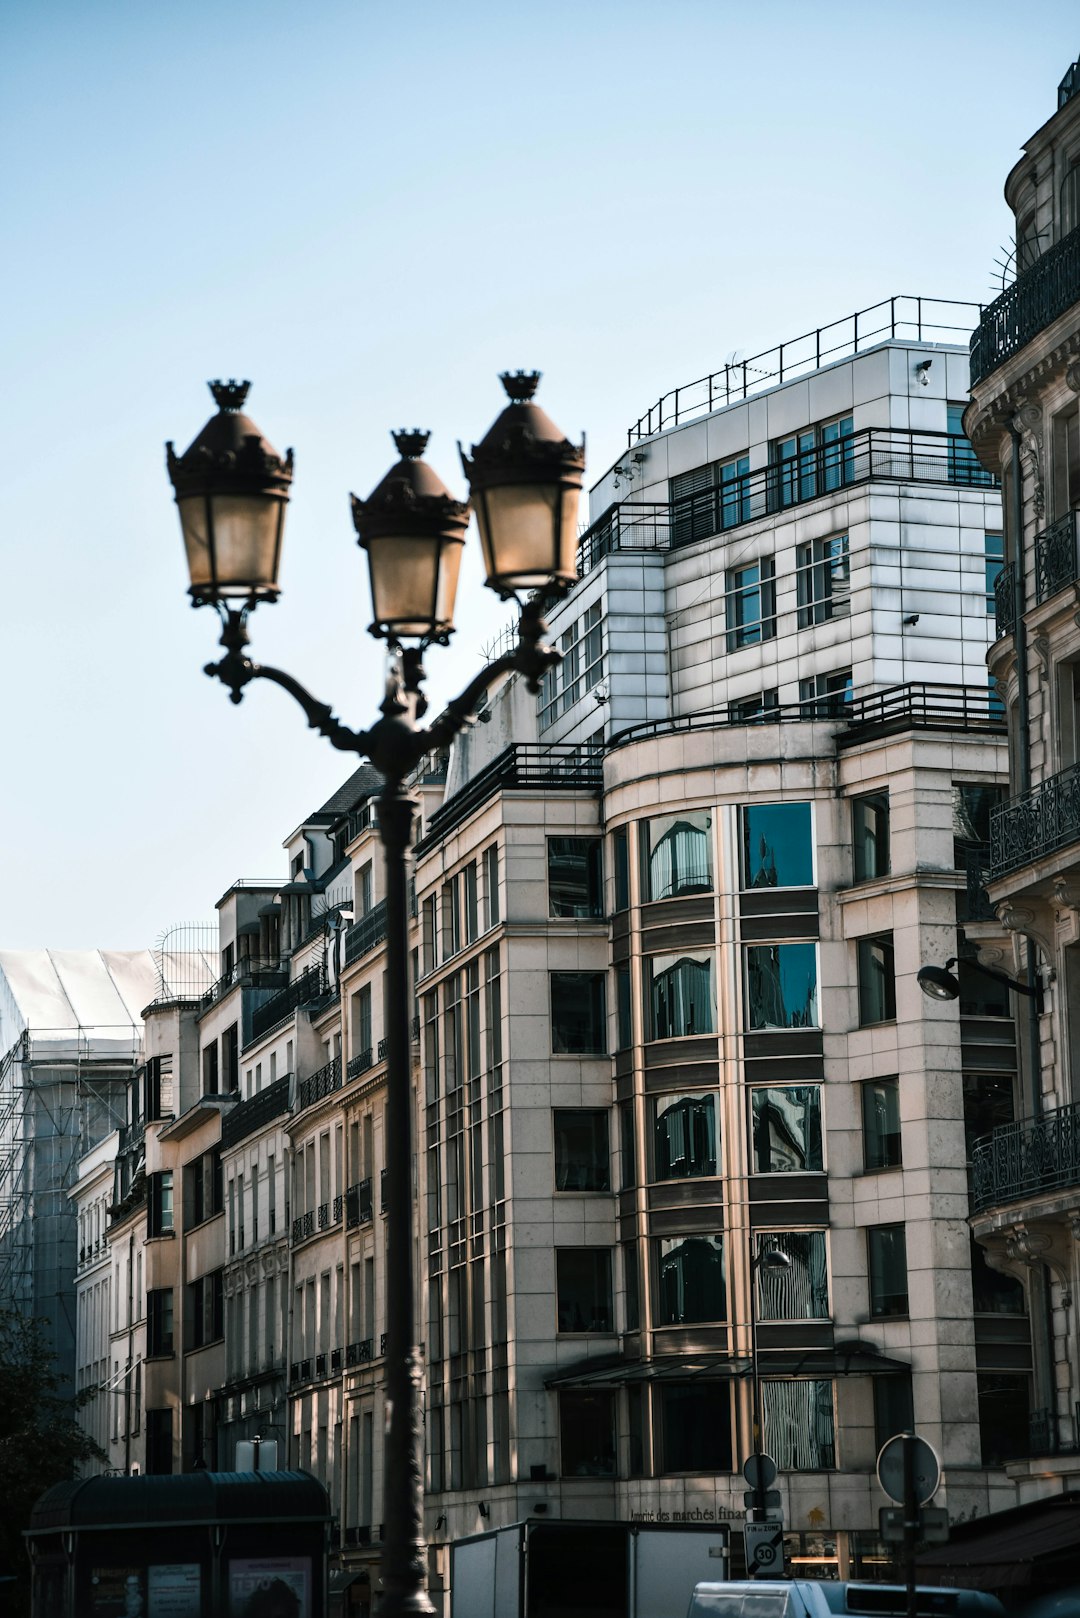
column 684, row 1136
column 798, row 1424
column 798, row 1290
column 681, row 996
column 992, row 1292
column 695, row 1427
column 623, row 1008
column 575, row 877
column 887, row 1263
column 690, row 1272
column 823, row 580
column 786, row 1126
column 881, row 1124
column 870, row 836
column 578, row 1015
column 677, row 855
column 781, row 986
column 622, row 868
column 583, row 1285
column 877, row 979
column 751, row 604
column 777, row 845
column 894, row 1410
column 581, row 1149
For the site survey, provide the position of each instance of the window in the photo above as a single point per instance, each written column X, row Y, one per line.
column 205, row 1317
column 361, row 1023
column 623, row 1008
column 471, row 902
column 886, row 1247
column 826, row 696
column 691, row 1287
column 877, row 979
column 677, row 855
column 757, row 709
column 798, row 1290
column 159, row 1321
column 578, row 1013
column 203, row 1185
column 695, row 1427
column 995, row 561
column 815, row 461
column 681, row 996
column 159, row 1203
column 751, row 604
column 632, row 1285
column 491, row 885
column 993, row 1293
column 158, row 1084
column 963, row 462
column 1065, row 461
column 581, row 1150
column 621, row 850
column 786, row 1129
column 777, row 846
column 575, row 877
column 451, row 918
column 428, row 934
column 365, row 890
column 894, row 1407
column 973, row 805
column 781, row 986
column 587, row 1435
column 685, row 1135
column 583, row 1285
column 230, row 1059
column 822, row 579
column 870, row 836
column 159, row 1444
column 582, row 667
column 210, row 1069
column 798, row 1428
column 996, row 702
column 881, row 1124
column 981, row 996
column 709, row 499
column 1004, row 1414
column 627, row 1152
column 988, row 1104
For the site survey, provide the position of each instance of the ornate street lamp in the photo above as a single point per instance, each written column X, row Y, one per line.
column 525, row 477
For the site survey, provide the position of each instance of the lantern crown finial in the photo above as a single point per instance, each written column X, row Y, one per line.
column 229, row 395
column 520, row 385
column 410, row 442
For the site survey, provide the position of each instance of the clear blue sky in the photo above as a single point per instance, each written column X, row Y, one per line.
column 370, row 209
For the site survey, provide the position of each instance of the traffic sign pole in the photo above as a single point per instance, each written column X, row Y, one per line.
column 911, row 1520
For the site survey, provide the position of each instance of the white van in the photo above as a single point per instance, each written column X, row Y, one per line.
column 822, row 1598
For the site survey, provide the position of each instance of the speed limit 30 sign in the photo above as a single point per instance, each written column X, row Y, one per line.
column 764, row 1548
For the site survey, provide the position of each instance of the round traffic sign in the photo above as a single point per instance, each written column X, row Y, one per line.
column 759, row 1471
column 890, row 1468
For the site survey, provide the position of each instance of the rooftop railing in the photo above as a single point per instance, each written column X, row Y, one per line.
column 1023, row 1159
column 1036, row 823
column 874, row 454
column 520, row 768
column 1036, row 298
column 903, row 317
column 255, row 1113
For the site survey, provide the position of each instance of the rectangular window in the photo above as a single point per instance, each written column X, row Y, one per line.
column 1004, row 1416
column 428, row 954
column 826, row 696
column 777, row 845
column 981, row 996
column 993, row 1293
column 886, row 1247
column 677, row 855
column 621, row 849
column 204, row 1187
column 623, row 1008
column 159, row 1203
column 587, row 1434
column 230, row 1059
column 210, row 1069
column 582, row 1159
column 575, row 877
column 751, row 604
column 159, row 1321
column 361, row 1028
column 963, row 462
column 583, row 1286
column 815, row 461
column 632, row 1285
column 365, row 890
column 578, row 1013
column 471, row 905
column 158, row 1082
column 881, row 1124
column 823, row 580
column 682, row 998
column 781, row 986
column 758, row 709
column 491, row 886
column 786, row 1129
column 451, row 918
column 685, row 1136
column 870, row 836
column 627, row 1143
column 877, row 979
column 205, row 1316
column 894, row 1407
column 798, row 1428
column 799, row 1288
column 691, row 1285
column 582, row 667
column 159, row 1442
column 695, row 1427
column 994, row 550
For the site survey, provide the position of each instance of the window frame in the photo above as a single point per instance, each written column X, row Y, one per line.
column 868, row 984
column 822, row 580
column 744, row 630
column 599, row 1151
column 886, row 1305
column 597, row 982
column 868, row 837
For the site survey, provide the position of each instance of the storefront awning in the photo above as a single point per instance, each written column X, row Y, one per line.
column 1037, row 1545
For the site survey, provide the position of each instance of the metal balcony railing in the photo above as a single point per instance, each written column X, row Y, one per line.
column 1037, row 823
column 923, row 320
column 358, row 1210
column 320, row 1084
column 256, row 1112
column 359, row 1063
column 977, row 901
column 366, row 934
column 1036, row 298
column 1005, row 601
column 252, row 972
column 303, row 1227
column 520, row 768
column 871, row 455
column 1022, row 1159
column 358, row 1353
column 310, row 986
column 1048, row 1433
column 1057, row 556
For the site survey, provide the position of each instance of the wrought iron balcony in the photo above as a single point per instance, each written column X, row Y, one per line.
column 302, row 1227
column 310, row 986
column 359, row 1063
column 323, row 1082
column 1036, row 823
column 366, row 934
column 256, row 1112
column 1022, row 1159
column 977, row 906
column 1036, row 298
column 1005, row 601
column 1057, row 556
column 358, row 1210
column 358, row 1353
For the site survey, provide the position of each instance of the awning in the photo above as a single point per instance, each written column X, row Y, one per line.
column 842, row 1359
column 1036, row 1544
column 613, row 1370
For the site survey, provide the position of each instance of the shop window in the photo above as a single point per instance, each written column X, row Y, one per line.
column 583, row 1285
column 894, row 1407
column 587, row 1434
column 685, row 1136
column 677, row 855
column 881, row 1124
column 823, row 580
column 777, row 845
column 636, row 1412
column 575, row 877
column 798, row 1425
column 781, row 986
column 578, row 1014
column 581, row 1150
column 886, row 1247
column 1004, row 1414
column 870, row 836
column 798, row 1290
column 692, row 1288
column 785, row 1122
column 877, row 979
column 681, row 996
column 695, row 1427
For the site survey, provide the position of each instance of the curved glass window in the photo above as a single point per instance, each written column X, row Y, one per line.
column 677, row 855
column 691, row 1274
column 778, row 845
column 684, row 1136
column 799, row 1289
column 681, row 996
column 781, row 986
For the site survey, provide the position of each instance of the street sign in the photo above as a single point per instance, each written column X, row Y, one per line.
column 764, row 1548
column 933, row 1526
column 890, row 1469
column 769, row 1497
column 759, row 1471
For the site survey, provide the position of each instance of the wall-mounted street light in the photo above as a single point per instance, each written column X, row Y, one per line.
column 941, row 983
column 525, row 477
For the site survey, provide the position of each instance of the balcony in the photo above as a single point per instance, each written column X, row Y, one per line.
column 358, row 1353
column 310, row 986
column 1036, row 824
column 1056, row 557
column 255, row 1113
column 360, row 1063
column 1048, row 1433
column 303, row 1227
column 520, row 768
column 1005, row 601
column 366, row 934
column 322, row 1083
column 251, row 973
column 1025, row 1159
column 358, row 1209
column 1036, row 299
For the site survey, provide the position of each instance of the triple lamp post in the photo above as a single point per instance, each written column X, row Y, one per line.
column 524, row 479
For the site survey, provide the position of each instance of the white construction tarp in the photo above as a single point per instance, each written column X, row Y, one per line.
column 76, row 1003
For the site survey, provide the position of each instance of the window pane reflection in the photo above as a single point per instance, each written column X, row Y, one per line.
column 797, row 1422
column 692, row 1285
column 786, row 1124
column 678, row 855
column 778, row 846
column 684, row 1136
column 781, row 985
column 798, row 1290
column 681, row 1000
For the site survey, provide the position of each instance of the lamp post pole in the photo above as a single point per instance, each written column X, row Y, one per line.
column 525, row 478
